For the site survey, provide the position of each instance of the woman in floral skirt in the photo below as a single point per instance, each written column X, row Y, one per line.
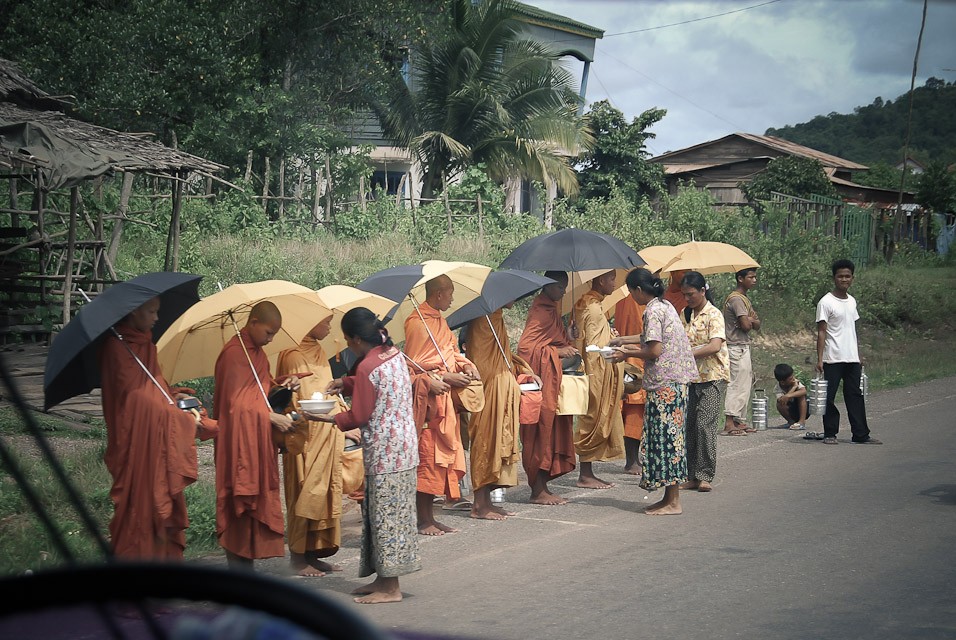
column 381, row 394
column 669, row 367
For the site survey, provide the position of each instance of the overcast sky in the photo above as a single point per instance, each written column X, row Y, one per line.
column 775, row 63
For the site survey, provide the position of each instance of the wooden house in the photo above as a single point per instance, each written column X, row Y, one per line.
column 720, row 165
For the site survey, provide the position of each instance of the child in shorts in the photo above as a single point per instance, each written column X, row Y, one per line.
column 791, row 397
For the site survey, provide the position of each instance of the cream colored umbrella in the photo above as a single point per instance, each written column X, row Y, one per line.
column 190, row 346
column 579, row 283
column 406, row 286
column 708, row 258
column 340, row 299
column 658, row 255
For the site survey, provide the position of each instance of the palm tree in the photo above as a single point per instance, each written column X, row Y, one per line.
column 488, row 94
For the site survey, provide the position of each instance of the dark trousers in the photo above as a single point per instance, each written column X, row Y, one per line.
column 849, row 373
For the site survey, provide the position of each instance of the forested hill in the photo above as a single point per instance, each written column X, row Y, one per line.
column 877, row 132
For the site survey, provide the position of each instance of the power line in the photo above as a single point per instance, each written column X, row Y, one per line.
column 666, row 88
column 677, row 24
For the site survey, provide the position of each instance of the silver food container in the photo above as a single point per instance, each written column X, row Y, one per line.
column 758, row 410
column 817, row 397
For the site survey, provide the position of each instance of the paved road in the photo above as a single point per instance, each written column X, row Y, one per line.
column 798, row 540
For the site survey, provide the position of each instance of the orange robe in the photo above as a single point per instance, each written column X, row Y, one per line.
column 549, row 445
column 150, row 451
column 313, row 461
column 493, row 431
column 673, row 293
column 440, row 451
column 600, row 433
column 629, row 321
column 249, row 519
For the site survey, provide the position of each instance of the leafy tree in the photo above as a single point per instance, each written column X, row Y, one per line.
column 619, row 157
column 487, row 95
column 884, row 176
column 800, row 177
column 876, row 132
column 937, row 188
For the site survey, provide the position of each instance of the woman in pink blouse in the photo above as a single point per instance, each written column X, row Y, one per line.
column 669, row 367
column 381, row 394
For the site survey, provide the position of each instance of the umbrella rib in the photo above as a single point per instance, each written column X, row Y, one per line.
column 500, row 348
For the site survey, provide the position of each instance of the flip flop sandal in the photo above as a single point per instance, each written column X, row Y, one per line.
column 813, row 435
column 734, row 432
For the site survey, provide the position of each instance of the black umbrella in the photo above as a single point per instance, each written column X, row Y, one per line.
column 71, row 364
column 500, row 288
column 572, row 250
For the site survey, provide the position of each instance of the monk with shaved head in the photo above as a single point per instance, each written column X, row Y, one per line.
column 436, row 367
column 249, row 521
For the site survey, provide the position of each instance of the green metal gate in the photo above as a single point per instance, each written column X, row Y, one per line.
column 858, row 232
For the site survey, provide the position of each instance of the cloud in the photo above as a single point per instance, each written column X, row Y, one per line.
column 769, row 66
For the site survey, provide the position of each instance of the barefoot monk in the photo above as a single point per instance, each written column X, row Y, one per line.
column 437, row 366
column 493, row 431
column 548, row 446
column 600, row 434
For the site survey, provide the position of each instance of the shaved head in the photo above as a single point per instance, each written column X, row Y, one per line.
column 438, row 283
column 265, row 311
column 440, row 292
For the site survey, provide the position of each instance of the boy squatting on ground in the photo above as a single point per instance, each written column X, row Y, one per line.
column 791, row 397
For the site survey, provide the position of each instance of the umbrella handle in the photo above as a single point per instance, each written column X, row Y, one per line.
column 428, row 331
column 500, row 348
column 138, row 361
column 252, row 367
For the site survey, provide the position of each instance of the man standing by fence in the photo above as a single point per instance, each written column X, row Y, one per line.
column 740, row 319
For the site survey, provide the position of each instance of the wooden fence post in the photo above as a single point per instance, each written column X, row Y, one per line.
column 281, row 188
column 315, row 196
column 70, row 249
column 481, row 226
column 444, row 197
column 248, row 175
column 265, row 188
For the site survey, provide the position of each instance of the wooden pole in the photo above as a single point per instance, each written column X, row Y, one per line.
column 328, row 190
column 39, row 198
column 121, row 208
column 315, row 196
column 444, row 197
column 70, row 248
column 265, row 187
column 14, row 216
column 248, row 175
column 281, row 188
column 300, row 191
column 172, row 239
column 481, row 226
column 361, row 195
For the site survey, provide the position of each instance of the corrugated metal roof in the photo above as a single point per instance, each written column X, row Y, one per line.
column 778, row 144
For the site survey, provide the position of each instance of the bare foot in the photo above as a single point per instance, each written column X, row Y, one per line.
column 364, row 590
column 321, row 565
column 488, row 513
column 380, row 597
column 430, row 530
column 690, row 484
column 704, row 486
column 632, row 471
column 445, row 528
column 593, row 482
column 666, row 510
column 504, row 512
column 547, row 498
column 308, row 571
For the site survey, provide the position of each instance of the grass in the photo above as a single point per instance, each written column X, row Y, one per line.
column 26, row 543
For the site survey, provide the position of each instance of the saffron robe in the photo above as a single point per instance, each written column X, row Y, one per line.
column 548, row 445
column 629, row 321
column 249, row 519
column 493, row 431
column 313, row 461
column 441, row 454
column 600, row 433
column 150, row 450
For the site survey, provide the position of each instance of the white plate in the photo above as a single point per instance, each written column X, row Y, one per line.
column 529, row 386
column 317, row 406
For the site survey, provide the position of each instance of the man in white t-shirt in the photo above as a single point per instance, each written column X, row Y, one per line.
column 838, row 357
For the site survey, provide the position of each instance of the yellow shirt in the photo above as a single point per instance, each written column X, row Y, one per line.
column 702, row 328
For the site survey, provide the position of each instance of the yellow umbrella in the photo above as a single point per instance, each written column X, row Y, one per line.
column 191, row 345
column 340, row 299
column 579, row 283
column 708, row 258
column 658, row 255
